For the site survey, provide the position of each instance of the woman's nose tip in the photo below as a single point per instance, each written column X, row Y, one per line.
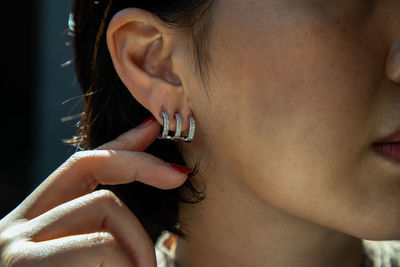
column 393, row 63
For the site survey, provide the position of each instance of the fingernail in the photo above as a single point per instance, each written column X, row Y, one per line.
column 148, row 120
column 180, row 168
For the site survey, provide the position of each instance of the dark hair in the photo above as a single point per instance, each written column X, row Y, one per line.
column 111, row 110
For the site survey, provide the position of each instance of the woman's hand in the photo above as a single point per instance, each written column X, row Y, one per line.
column 63, row 222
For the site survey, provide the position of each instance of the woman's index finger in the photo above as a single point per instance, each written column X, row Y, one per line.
column 86, row 169
column 136, row 139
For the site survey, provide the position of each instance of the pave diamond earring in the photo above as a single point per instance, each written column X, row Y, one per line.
column 178, row 131
column 177, row 136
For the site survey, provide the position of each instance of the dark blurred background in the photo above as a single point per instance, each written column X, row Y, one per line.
column 34, row 86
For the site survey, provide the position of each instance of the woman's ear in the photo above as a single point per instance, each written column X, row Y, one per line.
column 141, row 48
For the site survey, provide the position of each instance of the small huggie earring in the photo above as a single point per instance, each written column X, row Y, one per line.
column 165, row 131
column 178, row 131
column 192, row 128
column 177, row 136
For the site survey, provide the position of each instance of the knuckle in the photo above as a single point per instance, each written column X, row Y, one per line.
column 13, row 257
column 79, row 161
column 106, row 202
column 9, row 259
column 78, row 156
column 87, row 156
column 7, row 237
column 12, row 234
column 4, row 239
column 88, row 162
column 101, row 238
column 106, row 198
column 103, row 242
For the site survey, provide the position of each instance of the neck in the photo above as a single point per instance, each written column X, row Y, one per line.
column 233, row 227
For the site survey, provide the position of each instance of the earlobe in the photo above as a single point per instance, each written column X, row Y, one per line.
column 141, row 50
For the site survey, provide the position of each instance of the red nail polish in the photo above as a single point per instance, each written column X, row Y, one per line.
column 148, row 120
column 180, row 168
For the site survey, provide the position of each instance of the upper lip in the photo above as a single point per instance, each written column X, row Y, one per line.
column 395, row 137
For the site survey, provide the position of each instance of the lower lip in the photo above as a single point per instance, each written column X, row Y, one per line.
column 390, row 151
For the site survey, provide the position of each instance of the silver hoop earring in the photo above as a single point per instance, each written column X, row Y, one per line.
column 177, row 136
column 165, row 131
column 192, row 128
column 178, row 131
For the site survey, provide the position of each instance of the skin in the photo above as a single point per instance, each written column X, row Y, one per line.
column 298, row 91
column 292, row 178
column 63, row 222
